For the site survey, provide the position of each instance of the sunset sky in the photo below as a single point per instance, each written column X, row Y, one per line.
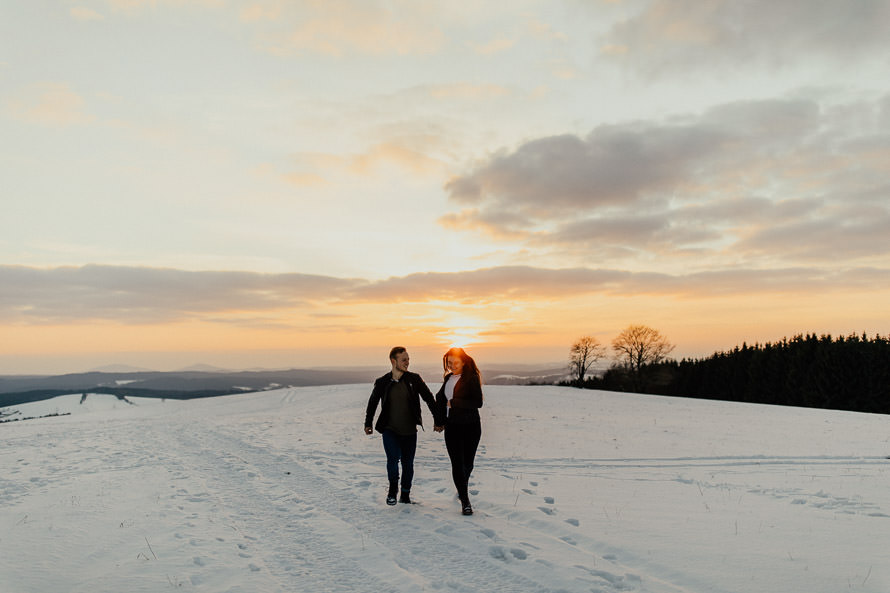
column 266, row 183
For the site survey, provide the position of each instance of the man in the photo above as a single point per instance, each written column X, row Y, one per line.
column 398, row 392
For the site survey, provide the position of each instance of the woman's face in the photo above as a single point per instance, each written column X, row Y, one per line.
column 455, row 364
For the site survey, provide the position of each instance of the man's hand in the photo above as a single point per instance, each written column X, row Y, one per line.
column 369, row 430
column 438, row 428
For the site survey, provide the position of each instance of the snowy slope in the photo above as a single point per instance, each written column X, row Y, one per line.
column 78, row 404
column 574, row 490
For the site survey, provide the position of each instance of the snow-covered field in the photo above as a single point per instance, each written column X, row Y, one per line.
column 574, row 491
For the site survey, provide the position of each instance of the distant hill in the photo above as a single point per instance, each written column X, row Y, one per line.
column 203, row 368
column 120, row 368
column 187, row 384
column 179, row 385
column 525, row 376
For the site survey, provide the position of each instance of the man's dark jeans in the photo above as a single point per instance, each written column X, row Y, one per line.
column 400, row 448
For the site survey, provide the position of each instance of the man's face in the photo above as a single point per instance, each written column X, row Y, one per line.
column 400, row 362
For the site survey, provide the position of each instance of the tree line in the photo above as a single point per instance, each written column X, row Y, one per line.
column 842, row 373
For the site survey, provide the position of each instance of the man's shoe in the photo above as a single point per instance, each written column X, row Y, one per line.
column 406, row 498
column 467, row 509
column 390, row 499
column 391, row 495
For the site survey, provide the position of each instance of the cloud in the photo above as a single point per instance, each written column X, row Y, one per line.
column 857, row 231
column 342, row 27
column 672, row 36
column 316, row 168
column 140, row 295
column 544, row 31
column 80, row 13
column 305, row 179
column 50, row 104
column 506, row 226
column 494, row 46
column 466, row 91
column 526, row 283
column 258, row 12
column 133, row 6
column 788, row 179
column 151, row 295
column 613, row 165
column 407, row 158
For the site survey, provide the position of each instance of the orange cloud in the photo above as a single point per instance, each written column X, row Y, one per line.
column 376, row 158
column 161, row 295
column 470, row 219
column 133, row 6
column 392, row 153
column 493, row 47
column 305, row 179
column 50, row 104
column 466, row 91
column 81, row 13
column 522, row 310
column 340, row 27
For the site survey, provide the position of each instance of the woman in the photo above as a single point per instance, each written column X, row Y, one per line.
column 459, row 399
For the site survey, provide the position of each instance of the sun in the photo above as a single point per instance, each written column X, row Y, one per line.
column 462, row 331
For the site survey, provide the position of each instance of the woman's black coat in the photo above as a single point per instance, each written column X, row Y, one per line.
column 466, row 401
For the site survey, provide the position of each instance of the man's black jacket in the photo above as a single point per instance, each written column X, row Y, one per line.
column 416, row 388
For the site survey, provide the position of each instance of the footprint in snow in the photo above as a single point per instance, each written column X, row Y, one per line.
column 547, row 510
column 574, row 522
column 548, row 499
column 504, row 555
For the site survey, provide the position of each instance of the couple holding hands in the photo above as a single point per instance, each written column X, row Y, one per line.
column 455, row 410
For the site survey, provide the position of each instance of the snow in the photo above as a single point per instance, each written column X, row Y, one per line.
column 574, row 490
column 77, row 404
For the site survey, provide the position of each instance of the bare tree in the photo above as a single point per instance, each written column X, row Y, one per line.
column 584, row 353
column 638, row 346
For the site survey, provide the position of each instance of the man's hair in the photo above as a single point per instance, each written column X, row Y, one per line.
column 396, row 351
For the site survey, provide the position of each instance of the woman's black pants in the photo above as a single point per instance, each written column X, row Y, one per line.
column 462, row 440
